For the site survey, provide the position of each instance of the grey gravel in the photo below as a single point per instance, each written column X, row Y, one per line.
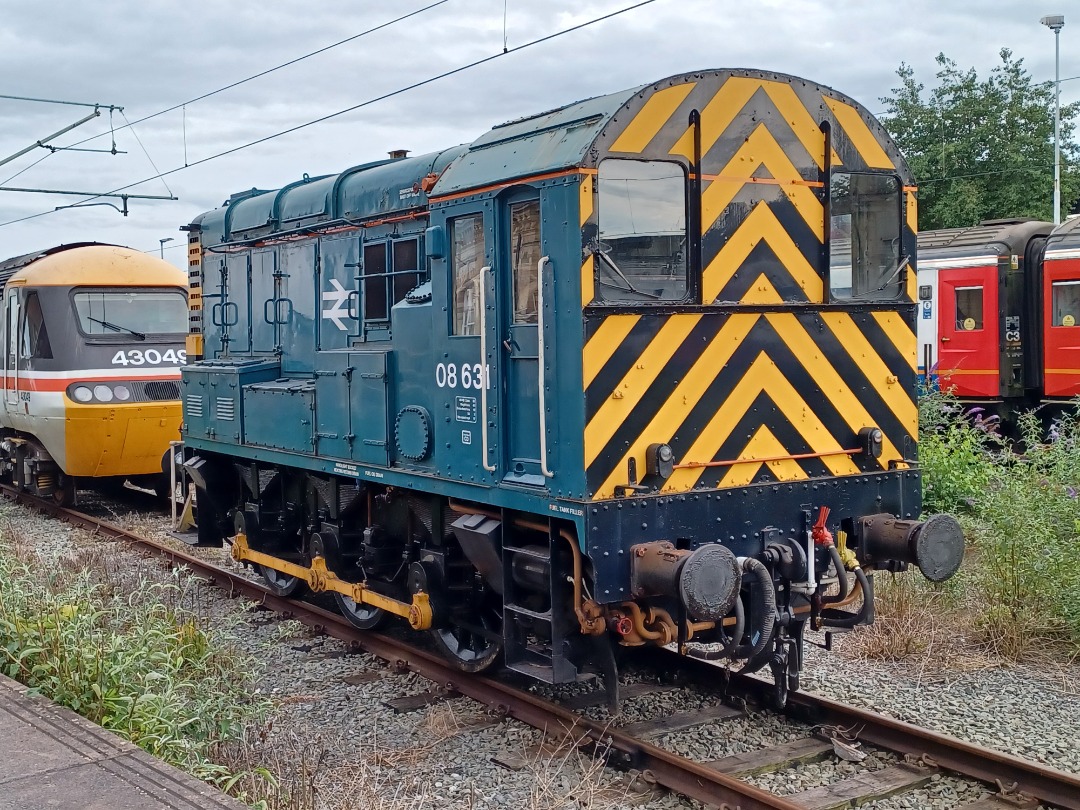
column 441, row 756
column 1016, row 709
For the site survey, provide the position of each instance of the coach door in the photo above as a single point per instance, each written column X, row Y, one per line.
column 520, row 294
column 11, row 349
column 968, row 354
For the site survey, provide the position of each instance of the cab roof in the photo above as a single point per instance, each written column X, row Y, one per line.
column 90, row 264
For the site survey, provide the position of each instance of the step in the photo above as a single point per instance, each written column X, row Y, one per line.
column 528, row 552
column 541, row 672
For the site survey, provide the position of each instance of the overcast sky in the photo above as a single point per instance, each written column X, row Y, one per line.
column 148, row 56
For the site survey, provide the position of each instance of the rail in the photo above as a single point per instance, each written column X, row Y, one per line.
column 692, row 779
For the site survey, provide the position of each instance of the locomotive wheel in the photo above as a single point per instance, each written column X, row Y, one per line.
column 465, row 646
column 361, row 616
column 282, row 584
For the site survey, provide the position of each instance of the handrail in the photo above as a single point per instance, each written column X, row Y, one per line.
column 540, row 265
column 485, row 377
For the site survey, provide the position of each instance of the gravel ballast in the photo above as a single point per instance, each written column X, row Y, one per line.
column 334, row 719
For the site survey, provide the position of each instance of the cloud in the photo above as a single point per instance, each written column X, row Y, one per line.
column 149, row 56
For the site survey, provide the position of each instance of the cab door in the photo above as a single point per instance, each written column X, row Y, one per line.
column 11, row 351
column 968, row 341
column 1061, row 335
column 520, row 296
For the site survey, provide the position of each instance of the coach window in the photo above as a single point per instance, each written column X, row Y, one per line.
column 640, row 251
column 864, row 237
column 35, row 337
column 1065, row 301
column 467, row 259
column 969, row 308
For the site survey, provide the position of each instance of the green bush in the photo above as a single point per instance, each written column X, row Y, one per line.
column 1022, row 513
column 127, row 656
column 1028, row 541
column 956, row 454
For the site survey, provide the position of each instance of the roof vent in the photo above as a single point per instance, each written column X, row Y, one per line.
column 398, row 154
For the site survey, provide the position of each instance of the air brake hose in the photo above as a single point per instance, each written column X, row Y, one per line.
column 841, row 577
column 763, row 614
column 841, row 618
column 729, row 643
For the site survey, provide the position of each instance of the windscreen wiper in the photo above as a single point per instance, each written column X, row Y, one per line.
column 904, row 262
column 608, row 261
column 115, row 328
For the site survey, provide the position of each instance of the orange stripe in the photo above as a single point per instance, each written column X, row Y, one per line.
column 516, row 181
column 61, row 383
column 952, row 372
column 771, row 181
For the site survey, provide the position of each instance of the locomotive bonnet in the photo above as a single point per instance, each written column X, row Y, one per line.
column 636, row 371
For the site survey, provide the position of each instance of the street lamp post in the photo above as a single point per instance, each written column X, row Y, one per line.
column 161, row 244
column 1055, row 23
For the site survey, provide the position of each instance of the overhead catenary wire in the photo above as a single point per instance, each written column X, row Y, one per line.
column 368, row 102
column 183, row 104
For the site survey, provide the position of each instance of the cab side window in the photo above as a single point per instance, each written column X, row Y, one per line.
column 35, row 337
column 467, row 240
column 864, row 237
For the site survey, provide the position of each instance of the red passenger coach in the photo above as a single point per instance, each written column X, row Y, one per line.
column 1061, row 312
column 979, row 312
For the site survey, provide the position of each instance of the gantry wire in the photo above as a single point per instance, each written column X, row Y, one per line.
column 353, row 108
column 259, row 75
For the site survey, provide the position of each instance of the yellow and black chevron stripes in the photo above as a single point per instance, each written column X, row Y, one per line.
column 737, row 396
column 763, row 156
column 785, row 262
column 911, row 221
column 585, row 203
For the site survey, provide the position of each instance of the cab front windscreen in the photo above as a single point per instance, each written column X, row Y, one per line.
column 130, row 311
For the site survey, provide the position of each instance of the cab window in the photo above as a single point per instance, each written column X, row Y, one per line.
column 525, row 259
column 35, row 337
column 467, row 259
column 641, row 245
column 865, row 259
column 125, row 312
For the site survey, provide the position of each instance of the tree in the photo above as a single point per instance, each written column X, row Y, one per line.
column 983, row 149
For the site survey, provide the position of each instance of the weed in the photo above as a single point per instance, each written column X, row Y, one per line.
column 122, row 647
column 1021, row 515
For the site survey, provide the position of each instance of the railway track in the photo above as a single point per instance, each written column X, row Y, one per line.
column 1016, row 783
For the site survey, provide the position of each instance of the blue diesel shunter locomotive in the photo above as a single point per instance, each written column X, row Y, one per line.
column 636, row 371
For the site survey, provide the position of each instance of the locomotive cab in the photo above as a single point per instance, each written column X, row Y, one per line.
column 93, row 340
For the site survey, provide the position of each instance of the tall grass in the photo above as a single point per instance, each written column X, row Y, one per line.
column 126, row 652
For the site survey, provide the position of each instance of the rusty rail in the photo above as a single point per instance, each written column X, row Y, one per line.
column 673, row 772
